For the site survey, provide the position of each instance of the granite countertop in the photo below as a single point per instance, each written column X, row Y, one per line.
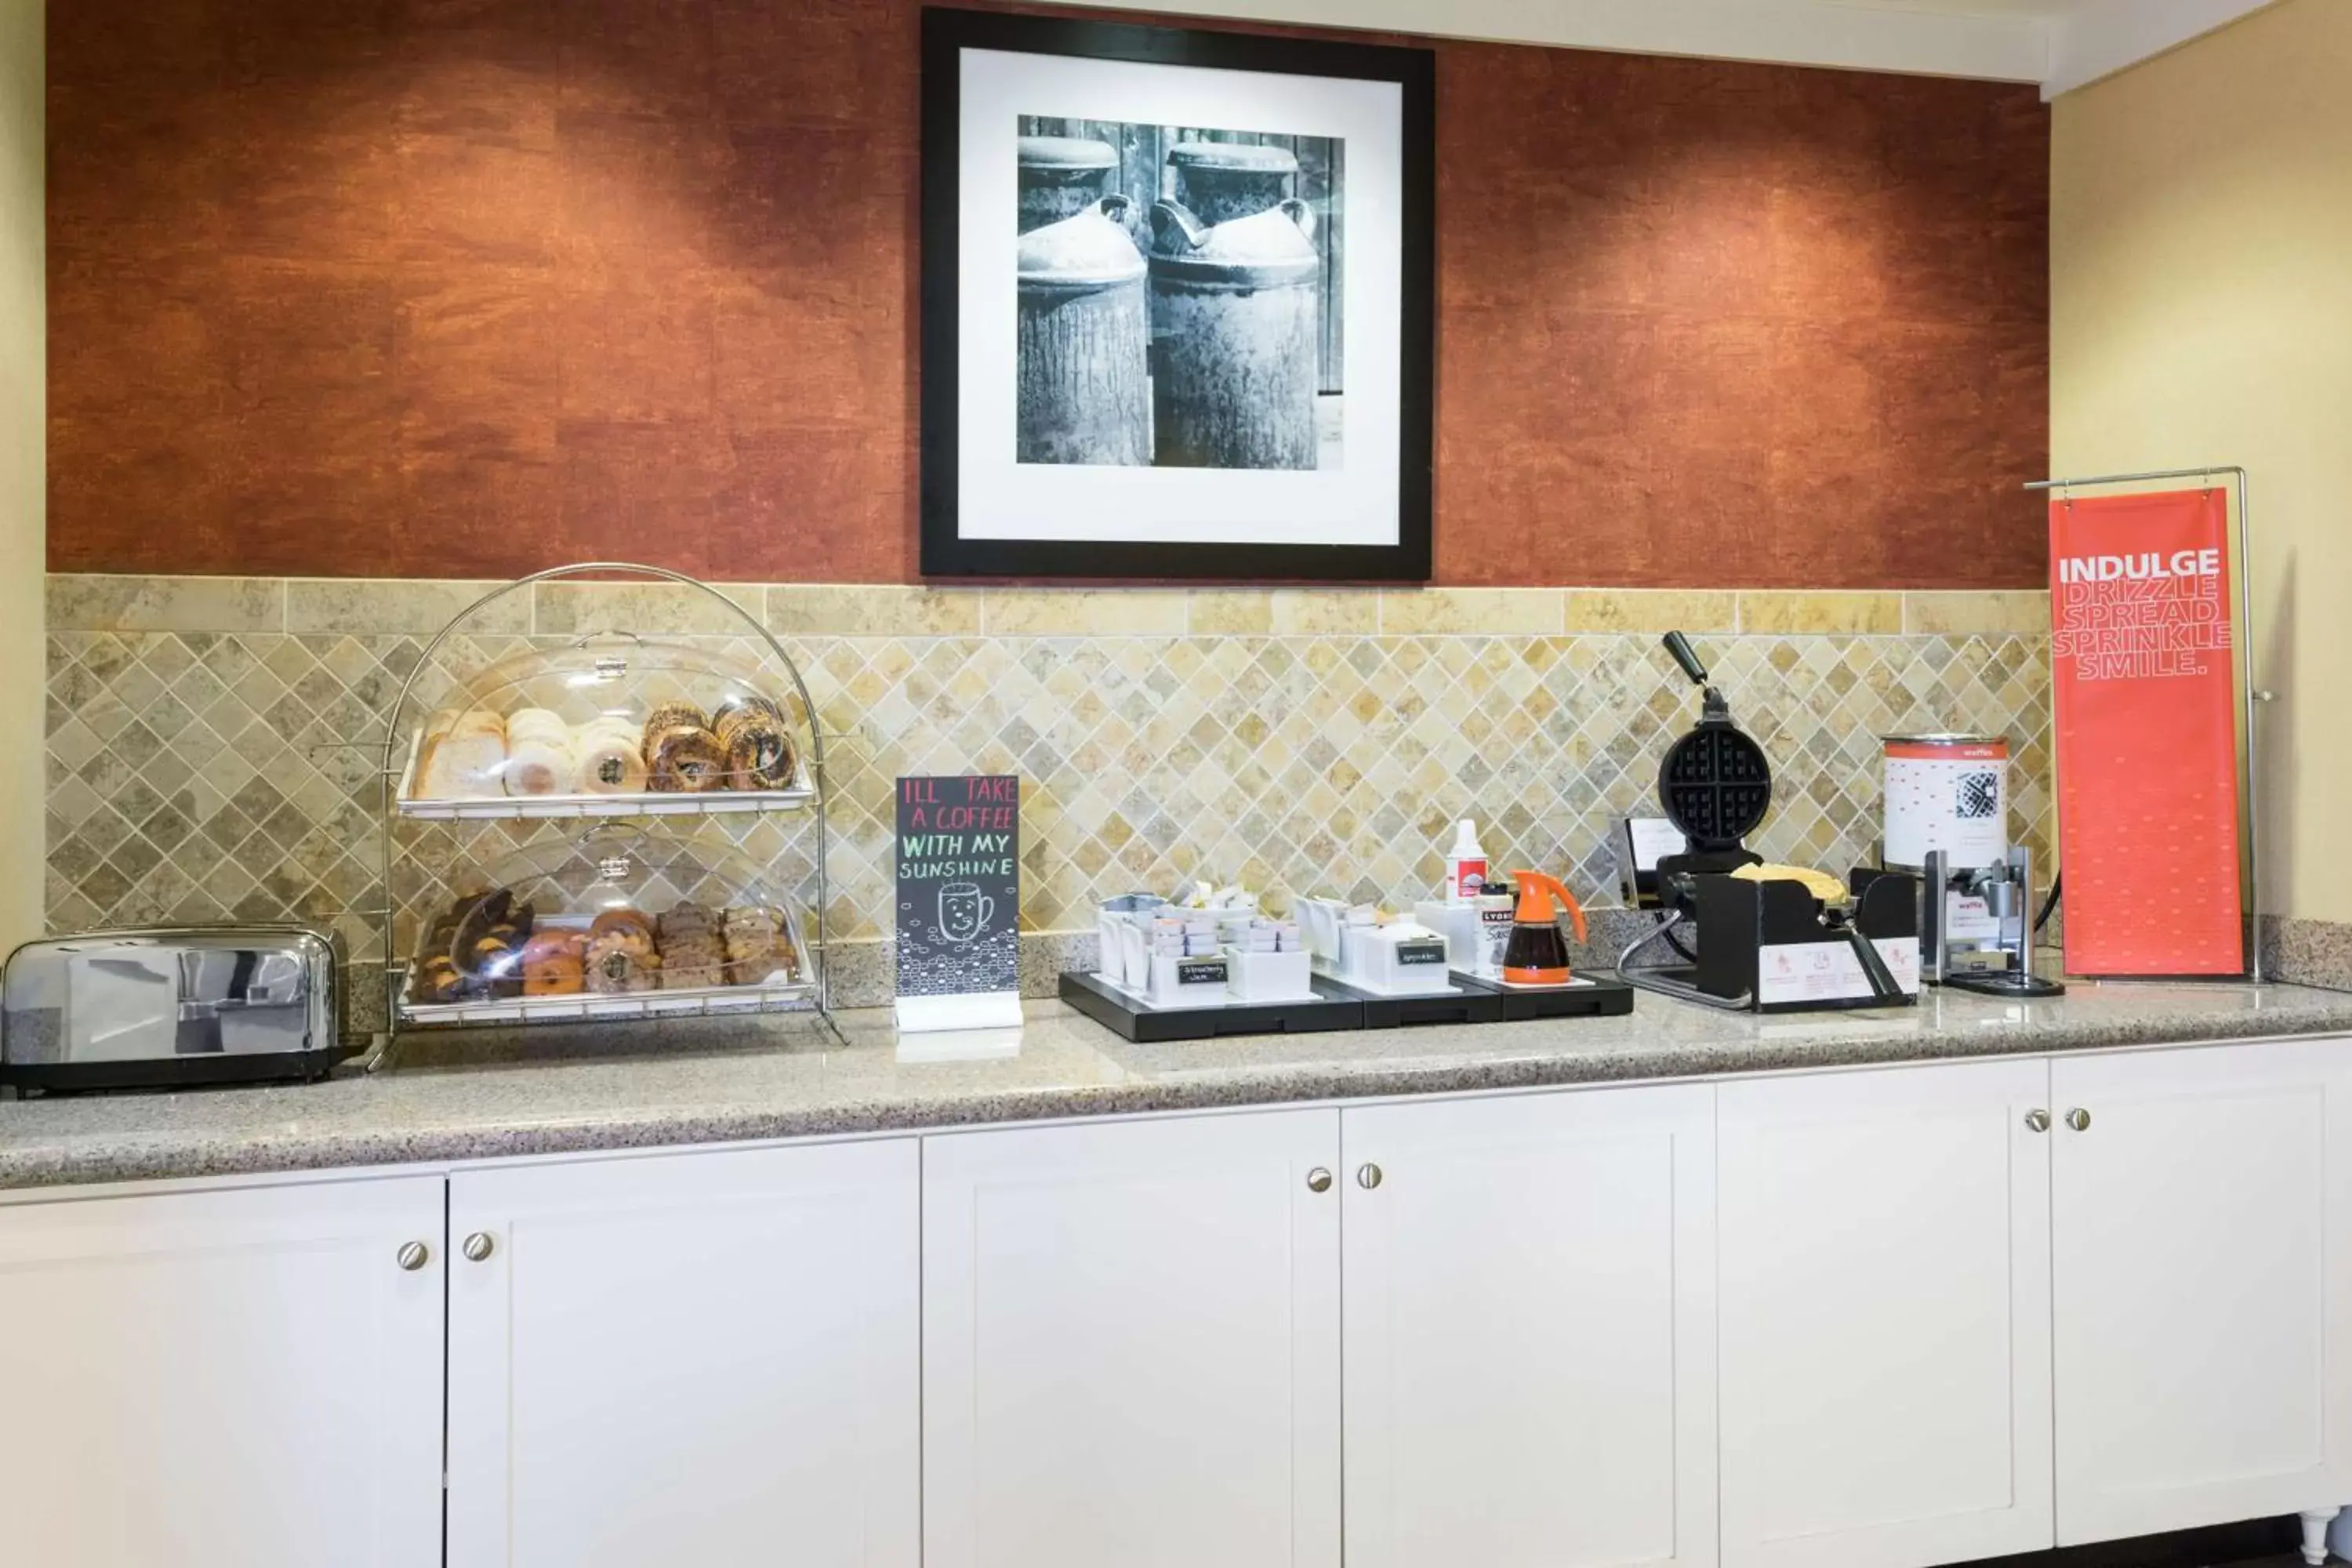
column 492, row 1094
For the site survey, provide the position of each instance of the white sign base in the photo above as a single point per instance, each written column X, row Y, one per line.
column 959, row 1045
column 968, row 1010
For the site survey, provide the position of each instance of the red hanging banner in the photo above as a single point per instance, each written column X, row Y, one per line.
column 2144, row 699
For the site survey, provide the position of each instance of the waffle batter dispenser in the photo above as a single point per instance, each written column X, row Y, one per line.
column 1977, row 935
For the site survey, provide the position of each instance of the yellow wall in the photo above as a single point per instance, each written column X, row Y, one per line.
column 2202, row 312
column 24, row 398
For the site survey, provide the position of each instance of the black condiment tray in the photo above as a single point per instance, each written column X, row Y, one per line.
column 1333, row 1007
column 1337, row 1005
column 1464, row 1002
column 1591, row 997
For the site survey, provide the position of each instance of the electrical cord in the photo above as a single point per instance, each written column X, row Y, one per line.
column 1674, row 940
column 2049, row 904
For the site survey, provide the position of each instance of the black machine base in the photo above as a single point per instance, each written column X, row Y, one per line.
column 2009, row 982
column 173, row 1072
column 1739, row 921
column 1680, row 982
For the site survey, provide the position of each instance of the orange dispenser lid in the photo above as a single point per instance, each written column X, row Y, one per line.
column 1536, row 955
column 1541, row 897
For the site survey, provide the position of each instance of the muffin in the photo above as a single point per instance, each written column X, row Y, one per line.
column 622, row 919
column 621, row 961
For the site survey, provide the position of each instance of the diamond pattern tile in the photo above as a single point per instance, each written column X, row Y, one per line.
column 197, row 776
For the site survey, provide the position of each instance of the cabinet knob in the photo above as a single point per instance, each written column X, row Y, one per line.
column 414, row 1256
column 479, row 1246
column 2038, row 1120
column 1318, row 1180
column 1369, row 1177
column 2079, row 1119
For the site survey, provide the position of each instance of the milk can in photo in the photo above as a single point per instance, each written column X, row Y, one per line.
column 1235, row 313
column 1061, row 176
column 1218, row 182
column 1236, row 337
column 1083, row 395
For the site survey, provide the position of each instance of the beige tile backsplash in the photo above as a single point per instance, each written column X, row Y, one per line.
column 1800, row 614
column 214, row 745
column 871, row 610
column 1316, row 611
column 1653, row 610
column 1474, row 612
column 573, row 609
column 348, row 605
column 1982, row 614
column 167, row 603
column 1081, row 612
column 1240, row 611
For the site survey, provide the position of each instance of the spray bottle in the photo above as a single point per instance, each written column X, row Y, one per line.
column 1465, row 865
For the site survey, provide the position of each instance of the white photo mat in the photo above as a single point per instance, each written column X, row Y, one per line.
column 998, row 498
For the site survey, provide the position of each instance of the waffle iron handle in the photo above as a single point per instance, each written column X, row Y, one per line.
column 1684, row 655
column 1882, row 984
column 1713, row 709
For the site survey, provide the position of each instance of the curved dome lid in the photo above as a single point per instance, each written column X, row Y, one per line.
column 1233, row 157
column 621, row 865
column 1089, row 249
column 1075, row 155
column 611, row 673
column 1269, row 246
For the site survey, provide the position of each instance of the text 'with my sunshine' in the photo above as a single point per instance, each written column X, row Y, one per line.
column 970, row 835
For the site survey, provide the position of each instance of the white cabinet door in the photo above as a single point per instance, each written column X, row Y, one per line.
column 707, row 1358
column 1885, row 1309
column 1530, row 1330
column 2204, row 1286
column 1131, row 1345
column 235, row 1379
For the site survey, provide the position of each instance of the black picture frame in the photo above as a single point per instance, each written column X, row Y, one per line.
column 944, row 551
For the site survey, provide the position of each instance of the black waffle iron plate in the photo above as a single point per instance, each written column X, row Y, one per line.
column 1716, row 784
column 1714, row 787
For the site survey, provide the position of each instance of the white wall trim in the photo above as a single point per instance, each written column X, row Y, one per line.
column 2106, row 36
column 24, row 457
column 1793, row 32
column 2092, row 39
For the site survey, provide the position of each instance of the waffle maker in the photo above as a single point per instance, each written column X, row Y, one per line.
column 1716, row 785
column 1760, row 939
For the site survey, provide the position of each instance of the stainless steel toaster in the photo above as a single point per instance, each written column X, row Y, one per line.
column 126, row 1009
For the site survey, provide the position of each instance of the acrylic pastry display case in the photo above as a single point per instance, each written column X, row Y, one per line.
column 621, row 920
column 605, row 824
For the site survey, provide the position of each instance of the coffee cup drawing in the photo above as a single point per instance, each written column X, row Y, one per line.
column 964, row 910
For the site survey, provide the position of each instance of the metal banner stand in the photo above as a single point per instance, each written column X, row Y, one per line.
column 2249, row 811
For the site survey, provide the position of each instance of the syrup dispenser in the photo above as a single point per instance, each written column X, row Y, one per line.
column 1536, row 954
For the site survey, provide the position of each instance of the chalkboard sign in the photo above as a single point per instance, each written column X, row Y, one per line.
column 958, row 917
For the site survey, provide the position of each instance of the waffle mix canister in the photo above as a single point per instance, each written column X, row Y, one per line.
column 1947, row 793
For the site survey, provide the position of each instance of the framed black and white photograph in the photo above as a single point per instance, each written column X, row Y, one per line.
column 1177, row 303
